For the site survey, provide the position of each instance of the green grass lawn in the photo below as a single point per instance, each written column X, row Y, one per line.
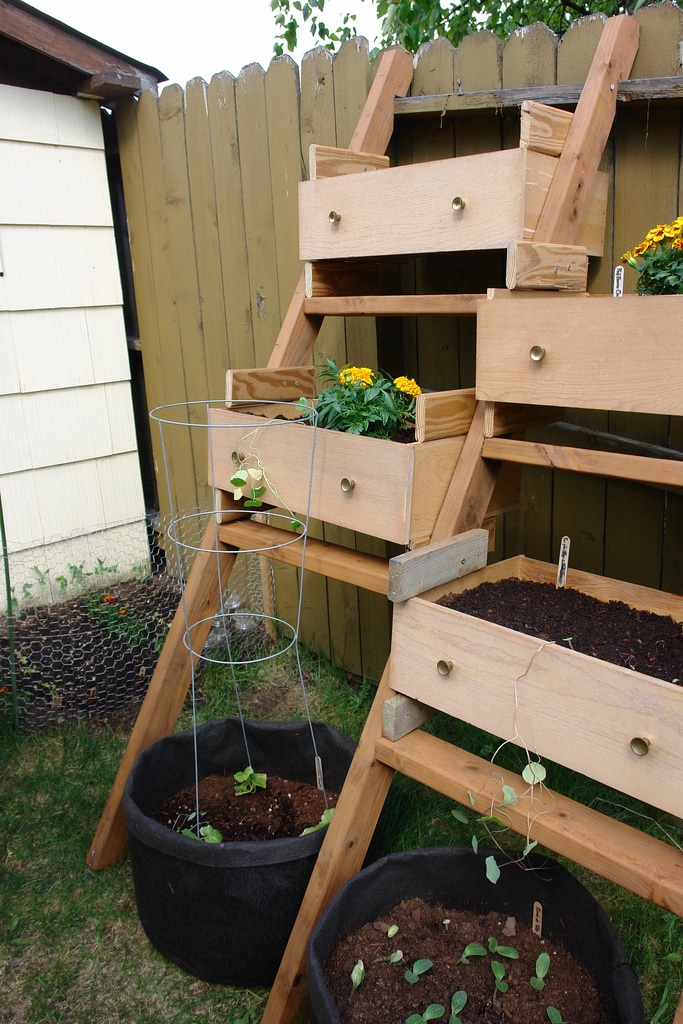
column 71, row 946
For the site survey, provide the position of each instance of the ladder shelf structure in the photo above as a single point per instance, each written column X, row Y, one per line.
column 554, row 218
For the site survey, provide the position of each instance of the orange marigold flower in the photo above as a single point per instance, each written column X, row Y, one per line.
column 108, row 599
column 123, row 611
column 677, row 243
column 408, row 385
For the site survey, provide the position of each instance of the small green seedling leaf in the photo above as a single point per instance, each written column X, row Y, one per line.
column 325, row 819
column 533, row 772
column 207, row 834
column 357, row 975
column 419, row 967
column 457, row 1004
column 394, row 958
column 433, row 1012
column 248, row 780
column 470, row 797
column 472, row 949
column 239, row 478
column 507, row 951
column 460, row 815
column 499, row 973
column 392, row 930
column 554, row 1015
column 529, row 847
column 492, row 869
column 542, row 968
column 674, row 958
column 475, row 844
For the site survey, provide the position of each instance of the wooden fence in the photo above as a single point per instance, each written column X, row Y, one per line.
column 210, row 177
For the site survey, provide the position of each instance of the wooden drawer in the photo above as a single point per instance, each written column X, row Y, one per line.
column 596, row 352
column 409, row 209
column 565, row 706
column 394, row 491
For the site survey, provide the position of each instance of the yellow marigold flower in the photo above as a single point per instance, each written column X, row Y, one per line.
column 640, row 249
column 657, row 234
column 677, row 243
column 351, row 375
column 677, row 224
column 670, row 231
column 408, row 385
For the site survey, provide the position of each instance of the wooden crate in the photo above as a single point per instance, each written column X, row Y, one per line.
column 583, row 352
column 411, row 209
column 540, row 695
column 384, row 489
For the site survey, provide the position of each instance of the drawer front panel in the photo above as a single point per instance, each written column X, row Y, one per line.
column 583, row 352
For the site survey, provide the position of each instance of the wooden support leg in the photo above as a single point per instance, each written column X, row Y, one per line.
column 341, row 855
column 168, row 687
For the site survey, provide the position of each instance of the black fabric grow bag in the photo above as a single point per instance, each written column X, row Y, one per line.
column 455, row 876
column 223, row 912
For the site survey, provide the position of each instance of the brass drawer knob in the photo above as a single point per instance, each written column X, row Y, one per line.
column 640, row 745
column 334, row 217
column 346, row 484
column 444, row 667
column 536, row 353
column 458, row 204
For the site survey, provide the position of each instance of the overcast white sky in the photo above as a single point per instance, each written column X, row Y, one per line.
column 190, row 38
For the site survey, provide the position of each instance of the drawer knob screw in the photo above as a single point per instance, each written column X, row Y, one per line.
column 444, row 667
column 334, row 217
column 458, row 204
column 640, row 745
column 347, row 485
column 536, row 353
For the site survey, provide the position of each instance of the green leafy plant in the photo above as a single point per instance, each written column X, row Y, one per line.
column 433, row 1012
column 394, row 958
column 248, row 781
column 542, row 968
column 554, row 1015
column 207, row 834
column 325, row 819
column 250, row 480
column 419, row 968
column 357, row 976
column 360, row 401
column 458, row 1001
column 659, row 260
column 508, row 951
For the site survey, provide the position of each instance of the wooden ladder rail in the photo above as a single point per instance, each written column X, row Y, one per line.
column 173, row 673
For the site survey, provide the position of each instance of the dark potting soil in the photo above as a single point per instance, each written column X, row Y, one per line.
column 610, row 630
column 284, row 808
column 385, row 997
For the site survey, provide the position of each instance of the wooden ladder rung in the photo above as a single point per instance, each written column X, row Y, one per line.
column 657, row 472
column 362, row 570
column 393, row 305
column 644, row 865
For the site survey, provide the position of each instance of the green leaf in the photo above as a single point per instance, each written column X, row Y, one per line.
column 471, row 949
column 534, row 772
column 460, row 815
column 509, row 797
column 325, row 819
column 210, row 834
column 458, row 1001
column 434, row 1011
column 542, row 965
column 492, row 869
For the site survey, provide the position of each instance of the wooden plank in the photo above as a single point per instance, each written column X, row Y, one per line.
column 409, row 209
column 416, row 571
column 661, row 472
column 636, row 92
column 543, row 128
column 443, row 413
column 401, row 715
column 167, row 689
column 471, row 485
column 376, row 123
column 638, row 862
column 344, row 564
column 546, row 266
column 227, row 173
column 275, row 385
column 393, row 305
column 329, row 161
column 587, row 136
column 333, row 277
column 341, row 855
column 629, row 370
column 510, row 419
column 529, row 57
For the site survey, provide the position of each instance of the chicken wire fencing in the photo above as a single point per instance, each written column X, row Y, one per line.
column 83, row 634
